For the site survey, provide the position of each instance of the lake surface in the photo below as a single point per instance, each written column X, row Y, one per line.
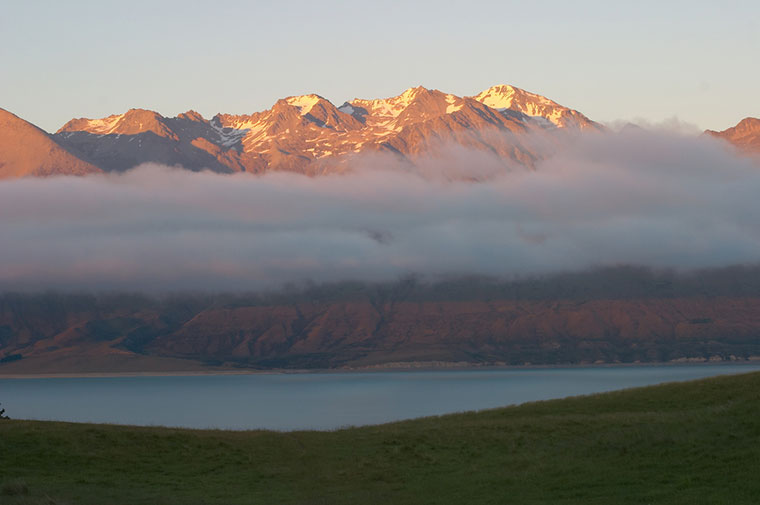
column 318, row 400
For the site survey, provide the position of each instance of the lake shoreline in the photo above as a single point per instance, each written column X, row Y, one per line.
column 323, row 401
column 383, row 368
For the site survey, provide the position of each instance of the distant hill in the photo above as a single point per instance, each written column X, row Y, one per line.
column 607, row 316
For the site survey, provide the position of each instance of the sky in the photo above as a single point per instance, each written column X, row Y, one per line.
column 645, row 61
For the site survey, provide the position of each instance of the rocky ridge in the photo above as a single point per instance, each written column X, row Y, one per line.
column 309, row 134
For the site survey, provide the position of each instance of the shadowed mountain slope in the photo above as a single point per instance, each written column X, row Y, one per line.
column 617, row 315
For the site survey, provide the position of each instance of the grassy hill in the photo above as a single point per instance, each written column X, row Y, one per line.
column 686, row 443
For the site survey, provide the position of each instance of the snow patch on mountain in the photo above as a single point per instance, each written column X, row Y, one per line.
column 229, row 136
column 103, row 126
column 304, row 103
column 504, row 96
column 497, row 97
column 388, row 108
column 455, row 104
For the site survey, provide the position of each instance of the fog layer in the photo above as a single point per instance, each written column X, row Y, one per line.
column 634, row 198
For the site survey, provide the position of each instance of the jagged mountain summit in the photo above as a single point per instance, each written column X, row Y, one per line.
column 309, row 134
column 120, row 142
column 745, row 135
column 504, row 97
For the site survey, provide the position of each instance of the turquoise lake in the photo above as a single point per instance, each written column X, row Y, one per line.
column 320, row 401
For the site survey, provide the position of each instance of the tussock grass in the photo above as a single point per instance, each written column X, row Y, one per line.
column 680, row 443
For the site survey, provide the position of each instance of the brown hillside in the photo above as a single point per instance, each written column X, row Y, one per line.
column 612, row 316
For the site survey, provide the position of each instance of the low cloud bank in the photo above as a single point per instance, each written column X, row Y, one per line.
column 638, row 198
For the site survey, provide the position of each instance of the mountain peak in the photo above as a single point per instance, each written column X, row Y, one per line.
column 102, row 126
column 132, row 122
column 192, row 115
column 749, row 125
column 499, row 90
column 384, row 110
column 505, row 96
column 745, row 135
column 412, row 93
column 137, row 112
column 304, row 103
column 404, row 98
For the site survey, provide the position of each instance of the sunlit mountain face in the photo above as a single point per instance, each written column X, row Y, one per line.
column 745, row 135
column 309, row 134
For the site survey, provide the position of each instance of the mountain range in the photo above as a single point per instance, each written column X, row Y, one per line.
column 306, row 134
column 309, row 134
column 613, row 316
column 618, row 315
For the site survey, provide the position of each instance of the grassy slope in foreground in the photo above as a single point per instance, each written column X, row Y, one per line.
column 696, row 442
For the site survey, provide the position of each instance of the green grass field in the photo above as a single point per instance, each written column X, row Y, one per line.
column 686, row 443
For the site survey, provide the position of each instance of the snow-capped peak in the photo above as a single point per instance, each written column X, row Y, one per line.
column 102, row 126
column 410, row 94
column 504, row 96
column 389, row 108
column 304, row 103
column 497, row 97
column 131, row 122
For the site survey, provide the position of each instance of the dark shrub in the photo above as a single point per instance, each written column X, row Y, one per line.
column 16, row 488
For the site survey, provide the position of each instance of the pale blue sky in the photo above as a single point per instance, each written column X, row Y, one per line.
column 654, row 60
